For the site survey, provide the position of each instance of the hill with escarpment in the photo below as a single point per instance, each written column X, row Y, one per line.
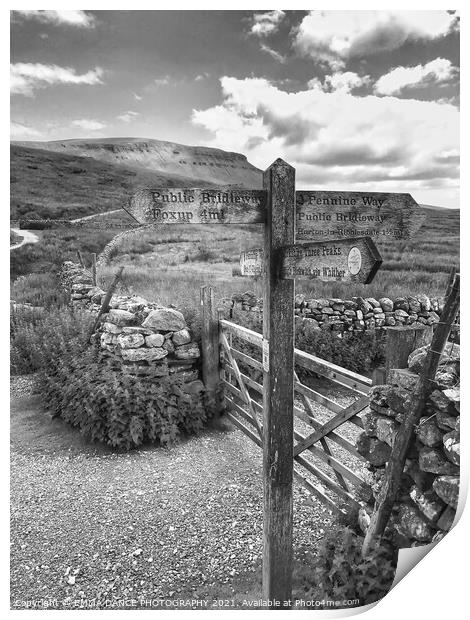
column 165, row 158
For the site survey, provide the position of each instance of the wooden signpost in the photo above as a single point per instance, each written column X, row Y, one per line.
column 340, row 228
column 347, row 260
column 198, row 206
column 322, row 216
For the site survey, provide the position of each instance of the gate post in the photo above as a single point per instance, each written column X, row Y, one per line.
column 278, row 388
column 401, row 341
column 210, row 347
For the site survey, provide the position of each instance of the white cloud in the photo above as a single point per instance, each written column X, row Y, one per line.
column 127, row 117
column 334, row 35
column 344, row 82
column 276, row 55
column 81, row 19
column 25, row 77
column 88, row 124
column 202, row 76
column 137, row 97
column 336, row 140
column 264, row 24
column 436, row 71
column 163, row 81
column 21, row 131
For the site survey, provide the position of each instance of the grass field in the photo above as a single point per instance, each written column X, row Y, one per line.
column 169, row 264
column 173, row 262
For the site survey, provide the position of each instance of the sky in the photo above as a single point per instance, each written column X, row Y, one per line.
column 354, row 100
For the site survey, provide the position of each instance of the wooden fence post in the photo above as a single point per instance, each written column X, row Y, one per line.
column 401, row 341
column 93, row 268
column 80, row 259
column 105, row 305
column 424, row 387
column 210, row 346
column 278, row 388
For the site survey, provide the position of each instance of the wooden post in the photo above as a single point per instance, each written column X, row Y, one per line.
column 106, row 300
column 210, row 346
column 80, row 259
column 424, row 387
column 93, row 268
column 401, row 341
column 278, row 384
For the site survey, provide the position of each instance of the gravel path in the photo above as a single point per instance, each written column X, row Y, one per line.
column 89, row 524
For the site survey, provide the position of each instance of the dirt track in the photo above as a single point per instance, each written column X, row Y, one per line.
column 28, row 237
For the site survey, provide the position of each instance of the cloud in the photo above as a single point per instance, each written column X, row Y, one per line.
column 80, row 19
column 339, row 81
column 264, row 24
column 21, row 131
column 137, row 97
column 163, row 81
column 332, row 36
column 127, row 117
column 202, row 76
column 25, row 78
column 88, row 124
column 436, row 71
column 337, row 140
column 276, row 55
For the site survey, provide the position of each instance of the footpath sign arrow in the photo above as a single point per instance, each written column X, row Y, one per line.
column 346, row 260
column 172, row 205
column 326, row 215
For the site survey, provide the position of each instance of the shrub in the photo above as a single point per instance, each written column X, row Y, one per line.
column 39, row 289
column 34, row 332
column 115, row 407
column 338, row 572
column 104, row 402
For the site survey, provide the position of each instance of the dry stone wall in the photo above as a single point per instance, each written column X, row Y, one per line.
column 356, row 314
column 138, row 334
column 425, row 508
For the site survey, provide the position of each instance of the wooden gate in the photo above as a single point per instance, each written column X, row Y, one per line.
column 320, row 449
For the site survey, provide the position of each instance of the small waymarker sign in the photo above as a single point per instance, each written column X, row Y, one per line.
column 321, row 216
column 348, row 260
column 172, row 205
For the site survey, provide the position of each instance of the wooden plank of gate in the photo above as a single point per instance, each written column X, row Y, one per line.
column 172, row 205
column 278, row 380
column 332, row 462
column 339, row 419
column 338, row 439
column 329, row 215
column 323, row 441
column 246, row 359
column 339, row 375
column 243, row 428
column 319, row 494
column 237, row 373
column 321, row 399
column 327, row 481
column 243, row 332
